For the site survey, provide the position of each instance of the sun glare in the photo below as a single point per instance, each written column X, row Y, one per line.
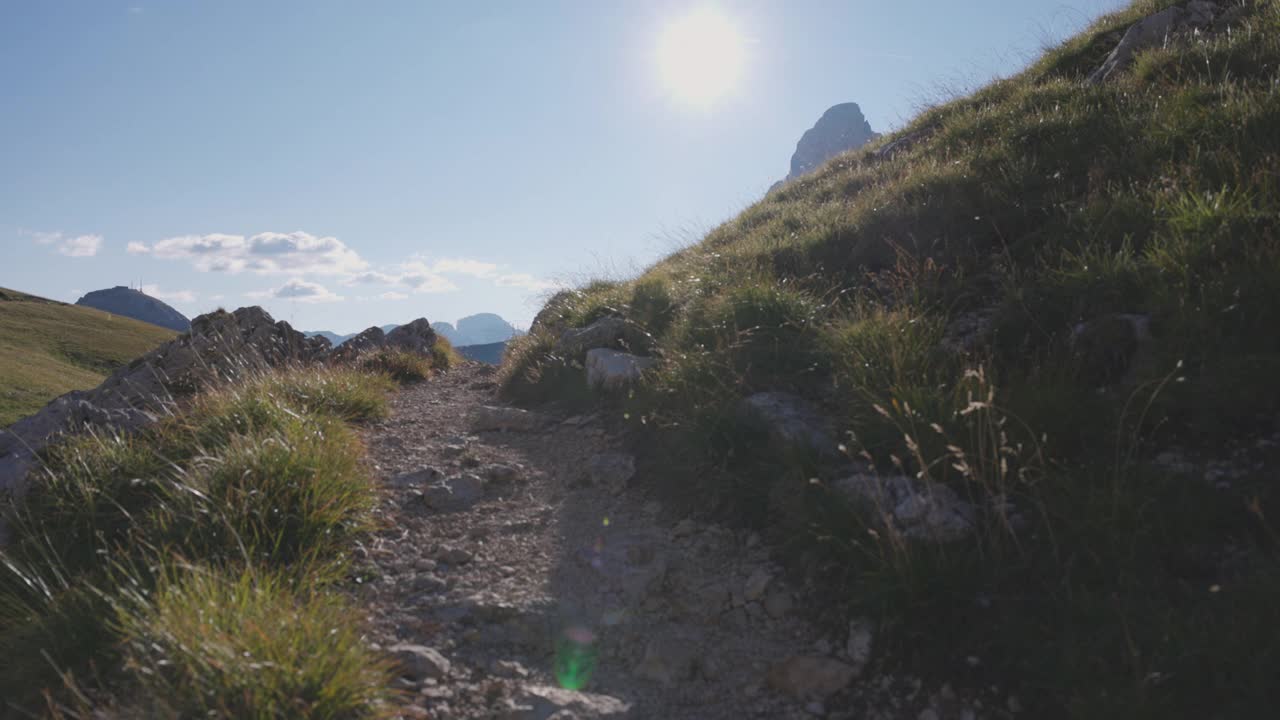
column 700, row 57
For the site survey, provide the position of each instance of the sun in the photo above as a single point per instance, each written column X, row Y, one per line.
column 700, row 57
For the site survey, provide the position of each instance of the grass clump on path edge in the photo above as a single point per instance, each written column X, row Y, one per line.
column 195, row 567
column 1103, row 260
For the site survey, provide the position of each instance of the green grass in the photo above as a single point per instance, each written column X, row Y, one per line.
column 49, row 348
column 1040, row 204
column 251, row 498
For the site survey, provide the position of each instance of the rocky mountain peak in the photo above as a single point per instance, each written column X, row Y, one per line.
column 841, row 128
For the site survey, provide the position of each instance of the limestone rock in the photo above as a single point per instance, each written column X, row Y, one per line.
column 668, row 659
column 916, row 509
column 611, row 470
column 1152, row 31
column 756, row 583
column 416, row 478
column 808, row 677
column 489, row 417
column 858, row 647
column 1107, row 347
column 419, row 662
column 792, row 421
column 452, row 494
column 611, row 369
column 541, row 702
column 606, row 332
column 778, row 603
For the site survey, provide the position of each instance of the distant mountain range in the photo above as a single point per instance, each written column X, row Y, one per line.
column 481, row 337
column 130, row 303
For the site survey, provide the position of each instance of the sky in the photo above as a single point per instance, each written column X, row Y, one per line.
column 346, row 164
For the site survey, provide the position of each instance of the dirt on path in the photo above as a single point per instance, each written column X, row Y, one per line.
column 523, row 573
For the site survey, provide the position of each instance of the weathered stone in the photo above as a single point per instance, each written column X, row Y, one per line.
column 668, row 659
column 454, row 555
column 807, row 677
column 489, row 417
column 418, row 662
column 606, row 332
column 778, row 603
column 858, row 647
column 756, row 583
column 416, row 478
column 542, row 702
column 501, row 473
column 915, row 509
column 792, row 421
column 456, row 493
column 611, row 470
column 611, row 369
column 1152, row 31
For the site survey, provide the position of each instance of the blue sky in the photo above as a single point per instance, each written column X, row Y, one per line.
column 346, row 164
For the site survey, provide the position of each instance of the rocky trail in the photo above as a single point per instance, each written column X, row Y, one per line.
column 522, row 573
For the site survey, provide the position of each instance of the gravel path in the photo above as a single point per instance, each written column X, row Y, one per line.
column 523, row 574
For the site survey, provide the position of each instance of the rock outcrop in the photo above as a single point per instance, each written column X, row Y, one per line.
column 221, row 346
column 1155, row 30
column 479, row 329
column 121, row 300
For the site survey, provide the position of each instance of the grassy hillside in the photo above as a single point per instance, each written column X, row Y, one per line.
column 1053, row 293
column 48, row 348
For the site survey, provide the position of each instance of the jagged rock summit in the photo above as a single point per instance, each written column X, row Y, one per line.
column 136, row 304
column 841, row 128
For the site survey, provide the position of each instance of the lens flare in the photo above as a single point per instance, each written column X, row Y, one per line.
column 575, row 657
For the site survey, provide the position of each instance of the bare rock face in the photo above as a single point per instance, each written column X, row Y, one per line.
column 792, row 421
column 221, row 346
column 606, row 332
column 611, row 370
column 417, row 337
column 1155, row 30
column 914, row 508
column 840, row 129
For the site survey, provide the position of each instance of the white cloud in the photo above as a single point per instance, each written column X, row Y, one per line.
column 137, row 248
column 81, row 246
column 463, row 266
column 265, row 253
column 183, row 296
column 393, row 296
column 372, row 277
column 299, row 290
column 524, row 280
column 78, row 246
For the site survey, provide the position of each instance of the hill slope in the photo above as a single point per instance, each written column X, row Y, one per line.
column 1054, row 299
column 48, row 348
column 137, row 305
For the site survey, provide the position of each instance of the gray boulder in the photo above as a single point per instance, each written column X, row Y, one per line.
column 543, row 702
column 606, row 332
column 490, row 417
column 456, row 493
column 792, row 421
column 611, row 370
column 913, row 508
